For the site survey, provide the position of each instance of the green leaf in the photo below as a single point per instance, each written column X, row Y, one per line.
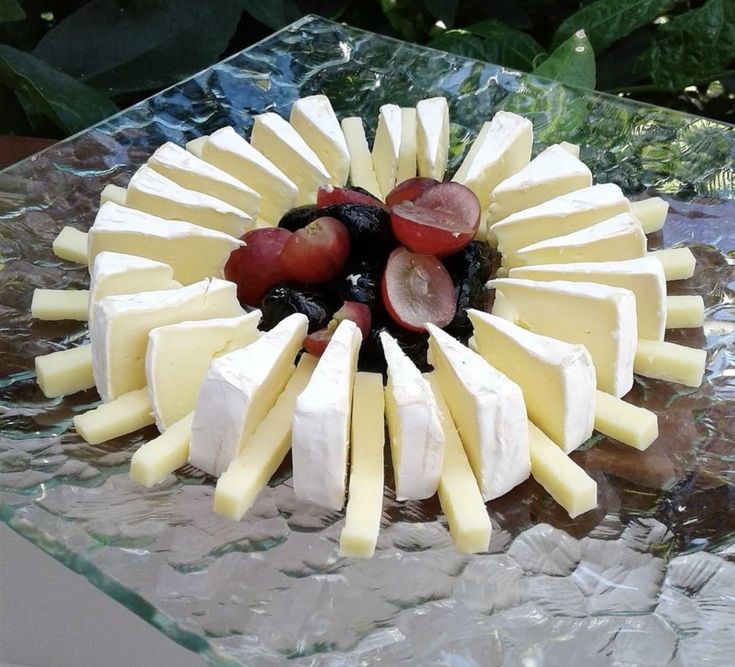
column 443, row 10
column 605, row 21
column 510, row 47
column 69, row 104
column 573, row 62
column 273, row 13
column 10, row 10
column 123, row 46
column 692, row 46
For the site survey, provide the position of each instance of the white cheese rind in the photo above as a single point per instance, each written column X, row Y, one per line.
column 414, row 426
column 194, row 252
column 179, row 356
column 227, row 150
column 60, row 304
column 601, row 318
column 121, row 324
column 126, row 414
column 489, row 411
column 65, row 372
column 153, row 193
column 285, row 148
column 314, row 119
column 432, row 137
column 551, row 173
column 71, row 244
column 387, row 148
column 501, row 149
column 362, row 174
column 407, row 164
column 239, row 390
column 189, row 171
column 557, row 378
column 321, row 423
column 643, row 276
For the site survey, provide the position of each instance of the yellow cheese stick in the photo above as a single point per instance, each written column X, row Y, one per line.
column 684, row 312
column 161, row 456
column 565, row 481
column 60, row 304
column 669, row 361
column 71, row 244
column 678, row 263
column 126, row 414
column 651, row 213
column 626, row 423
column 113, row 193
column 264, row 451
column 365, row 504
column 459, row 494
column 65, row 372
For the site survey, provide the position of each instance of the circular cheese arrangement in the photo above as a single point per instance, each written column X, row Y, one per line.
column 249, row 297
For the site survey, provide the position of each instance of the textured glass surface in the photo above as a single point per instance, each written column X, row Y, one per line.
column 646, row 577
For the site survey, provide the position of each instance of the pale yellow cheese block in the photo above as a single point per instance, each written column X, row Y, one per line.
column 161, row 456
column 459, row 495
column 113, row 193
column 669, row 361
column 678, row 263
column 71, row 244
column 362, row 174
column 365, row 504
column 126, row 414
column 651, row 212
column 626, row 423
column 60, row 304
column 684, row 312
column 65, row 372
column 263, row 451
column 562, row 478
column 407, row 151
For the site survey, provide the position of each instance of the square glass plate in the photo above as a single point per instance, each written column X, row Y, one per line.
column 649, row 572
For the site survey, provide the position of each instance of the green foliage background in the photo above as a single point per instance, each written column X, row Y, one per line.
column 67, row 64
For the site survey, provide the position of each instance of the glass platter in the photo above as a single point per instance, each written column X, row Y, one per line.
column 648, row 577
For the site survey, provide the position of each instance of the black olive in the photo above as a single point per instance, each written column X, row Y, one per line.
column 298, row 217
column 370, row 230
column 287, row 298
column 360, row 281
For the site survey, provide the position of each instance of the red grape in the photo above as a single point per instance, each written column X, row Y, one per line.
column 316, row 253
column 418, row 289
column 255, row 268
column 359, row 313
column 327, row 195
column 409, row 189
column 440, row 221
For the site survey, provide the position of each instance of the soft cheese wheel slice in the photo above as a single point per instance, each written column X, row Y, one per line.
column 282, row 145
column 362, row 174
column 121, row 324
column 153, row 193
column 192, row 251
column 264, row 450
column 414, row 426
column 179, row 355
column 238, row 391
column 600, row 317
column 432, row 137
column 321, row 422
column 407, row 152
column 557, row 378
column 618, row 238
column 559, row 216
column 387, row 147
column 551, row 173
column 227, row 150
column 489, row 411
column 193, row 173
column 117, row 273
column 643, row 276
column 314, row 119
column 501, row 149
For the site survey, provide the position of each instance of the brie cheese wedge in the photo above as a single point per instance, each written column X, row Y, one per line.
column 193, row 252
column 551, row 173
column 321, row 424
column 407, row 149
column 238, row 391
column 387, row 148
column 362, row 174
column 179, row 356
column 191, row 172
column 501, row 149
column 121, row 324
column 432, row 137
column 414, row 426
column 314, row 119
column 557, row 379
column 489, row 412
column 153, row 193
column 282, row 145
column 600, row 317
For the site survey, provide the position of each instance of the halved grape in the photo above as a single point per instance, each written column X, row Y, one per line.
column 409, row 189
column 440, row 221
column 359, row 313
column 418, row 289
column 327, row 195
column 316, row 253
